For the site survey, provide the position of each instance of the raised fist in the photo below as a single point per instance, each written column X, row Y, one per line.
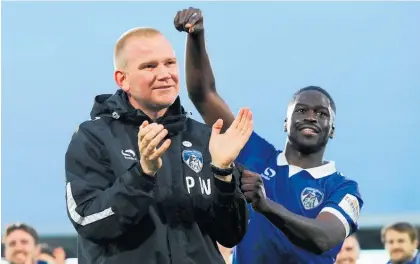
column 189, row 20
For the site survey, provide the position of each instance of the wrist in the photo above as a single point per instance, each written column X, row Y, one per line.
column 222, row 165
column 147, row 171
column 263, row 206
column 222, row 173
column 197, row 39
column 227, row 179
column 196, row 34
column 221, row 170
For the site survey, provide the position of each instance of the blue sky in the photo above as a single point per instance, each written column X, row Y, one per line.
column 56, row 56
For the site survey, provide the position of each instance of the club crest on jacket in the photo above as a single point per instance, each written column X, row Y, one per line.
column 194, row 159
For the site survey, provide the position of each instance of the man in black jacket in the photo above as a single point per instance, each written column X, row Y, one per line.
column 145, row 183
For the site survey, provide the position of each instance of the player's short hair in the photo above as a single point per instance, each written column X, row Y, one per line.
column 119, row 60
column 401, row 227
column 24, row 227
column 318, row 89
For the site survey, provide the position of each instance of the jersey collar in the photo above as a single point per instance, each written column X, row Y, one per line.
column 316, row 172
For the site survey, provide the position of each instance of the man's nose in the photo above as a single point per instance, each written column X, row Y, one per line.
column 163, row 73
column 393, row 247
column 19, row 247
column 311, row 116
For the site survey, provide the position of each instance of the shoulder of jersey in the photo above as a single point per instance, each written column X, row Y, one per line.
column 340, row 177
column 340, row 174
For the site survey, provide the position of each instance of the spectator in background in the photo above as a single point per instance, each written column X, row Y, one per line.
column 349, row 252
column 52, row 255
column 401, row 241
column 21, row 244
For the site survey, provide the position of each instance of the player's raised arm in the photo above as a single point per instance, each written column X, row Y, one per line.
column 201, row 83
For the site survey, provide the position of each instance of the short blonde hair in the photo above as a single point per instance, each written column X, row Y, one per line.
column 119, row 59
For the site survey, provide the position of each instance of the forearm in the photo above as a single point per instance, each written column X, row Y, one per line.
column 231, row 214
column 313, row 235
column 199, row 74
column 201, row 84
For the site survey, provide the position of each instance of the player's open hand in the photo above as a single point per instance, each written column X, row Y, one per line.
column 149, row 138
column 189, row 20
column 224, row 148
column 252, row 187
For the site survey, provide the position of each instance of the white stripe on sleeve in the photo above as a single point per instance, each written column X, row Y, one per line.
column 339, row 216
column 84, row 220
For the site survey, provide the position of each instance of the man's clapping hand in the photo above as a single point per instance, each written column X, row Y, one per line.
column 149, row 138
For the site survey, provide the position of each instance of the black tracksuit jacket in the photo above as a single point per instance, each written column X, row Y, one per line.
column 123, row 216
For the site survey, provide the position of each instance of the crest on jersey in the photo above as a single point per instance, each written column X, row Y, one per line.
column 311, row 198
column 194, row 159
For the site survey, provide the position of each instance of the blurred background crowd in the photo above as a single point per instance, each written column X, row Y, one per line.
column 22, row 242
column 56, row 56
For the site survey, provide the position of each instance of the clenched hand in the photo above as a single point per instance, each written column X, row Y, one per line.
column 189, row 20
column 253, row 188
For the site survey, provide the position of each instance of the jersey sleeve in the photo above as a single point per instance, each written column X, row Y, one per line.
column 256, row 151
column 345, row 202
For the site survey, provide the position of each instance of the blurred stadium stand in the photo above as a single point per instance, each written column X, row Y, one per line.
column 369, row 239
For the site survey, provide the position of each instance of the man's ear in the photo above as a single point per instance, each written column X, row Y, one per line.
column 121, row 80
column 332, row 133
